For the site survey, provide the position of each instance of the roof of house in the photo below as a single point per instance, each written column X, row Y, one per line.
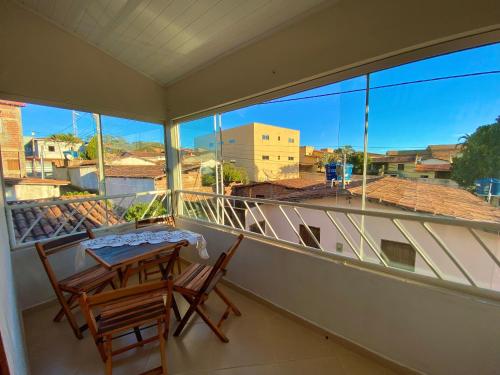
column 409, row 195
column 23, row 218
column 394, row 159
column 290, row 183
column 12, row 103
column 429, row 198
column 135, row 171
column 445, row 167
column 143, row 154
column 34, row 181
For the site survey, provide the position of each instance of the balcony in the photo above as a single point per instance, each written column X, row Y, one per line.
column 343, row 281
column 262, row 341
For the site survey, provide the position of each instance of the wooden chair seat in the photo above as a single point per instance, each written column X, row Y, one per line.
column 193, row 278
column 87, row 280
column 128, row 312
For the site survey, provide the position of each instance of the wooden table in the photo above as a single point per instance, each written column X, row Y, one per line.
column 122, row 258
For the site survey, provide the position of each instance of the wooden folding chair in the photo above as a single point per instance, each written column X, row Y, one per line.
column 150, row 266
column 126, row 311
column 196, row 283
column 93, row 279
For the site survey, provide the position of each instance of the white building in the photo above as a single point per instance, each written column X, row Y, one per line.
column 392, row 194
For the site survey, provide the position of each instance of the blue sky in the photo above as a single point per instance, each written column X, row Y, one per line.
column 403, row 117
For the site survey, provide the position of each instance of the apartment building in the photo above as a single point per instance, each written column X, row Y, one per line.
column 267, row 152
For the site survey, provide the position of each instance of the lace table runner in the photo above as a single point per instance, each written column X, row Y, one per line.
column 137, row 238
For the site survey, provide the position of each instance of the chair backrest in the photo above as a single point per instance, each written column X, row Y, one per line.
column 214, row 276
column 162, row 256
column 48, row 248
column 232, row 250
column 90, row 303
column 169, row 220
column 60, row 244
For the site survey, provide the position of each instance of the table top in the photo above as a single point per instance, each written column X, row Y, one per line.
column 120, row 256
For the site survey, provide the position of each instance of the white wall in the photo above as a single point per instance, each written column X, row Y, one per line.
column 430, row 329
column 27, row 192
column 10, row 319
column 123, row 185
column 462, row 244
column 84, row 177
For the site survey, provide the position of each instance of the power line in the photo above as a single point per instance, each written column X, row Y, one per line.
column 382, row 87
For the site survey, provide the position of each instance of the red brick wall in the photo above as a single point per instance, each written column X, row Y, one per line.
column 11, row 141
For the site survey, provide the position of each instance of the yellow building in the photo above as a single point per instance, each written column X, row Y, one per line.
column 266, row 152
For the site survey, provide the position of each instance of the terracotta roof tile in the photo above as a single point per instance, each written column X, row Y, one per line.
column 429, row 198
column 23, row 218
column 445, row 167
column 135, row 171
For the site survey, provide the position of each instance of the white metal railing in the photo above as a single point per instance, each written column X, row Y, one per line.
column 449, row 249
column 44, row 219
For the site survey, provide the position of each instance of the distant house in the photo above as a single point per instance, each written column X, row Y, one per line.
column 310, row 158
column 48, row 153
column 138, row 158
column 28, row 188
column 393, row 194
column 11, row 139
column 434, row 162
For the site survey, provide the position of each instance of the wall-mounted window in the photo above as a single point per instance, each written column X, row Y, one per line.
column 51, row 148
column 291, row 158
column 401, row 167
column 399, row 254
column 306, row 236
column 265, row 157
column 279, row 138
column 265, row 137
column 279, row 157
column 231, row 141
column 291, row 140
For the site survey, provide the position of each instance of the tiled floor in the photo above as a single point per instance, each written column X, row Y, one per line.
column 262, row 341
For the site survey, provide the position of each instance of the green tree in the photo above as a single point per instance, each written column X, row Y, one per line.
column 480, row 155
column 65, row 137
column 230, row 173
column 136, row 211
column 233, row 173
column 356, row 159
column 90, row 149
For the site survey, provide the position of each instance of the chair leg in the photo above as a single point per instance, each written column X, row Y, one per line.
column 227, row 301
column 187, row 315
column 163, row 346
column 212, row 326
column 176, row 309
column 179, row 269
column 72, row 298
column 109, row 355
column 69, row 316
column 138, row 335
column 113, row 285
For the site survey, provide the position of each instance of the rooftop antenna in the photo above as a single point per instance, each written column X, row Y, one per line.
column 75, row 115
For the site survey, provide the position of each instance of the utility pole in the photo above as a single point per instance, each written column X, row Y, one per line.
column 75, row 126
column 33, row 153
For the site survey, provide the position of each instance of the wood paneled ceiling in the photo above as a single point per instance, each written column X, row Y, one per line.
column 166, row 39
